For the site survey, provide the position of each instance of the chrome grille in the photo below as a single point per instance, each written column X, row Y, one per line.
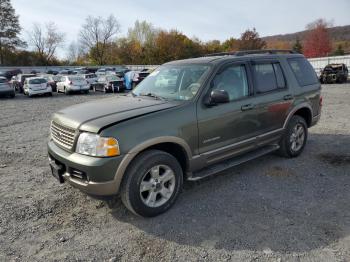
column 64, row 136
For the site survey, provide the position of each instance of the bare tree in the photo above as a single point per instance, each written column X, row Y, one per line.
column 97, row 34
column 46, row 39
column 75, row 52
column 142, row 32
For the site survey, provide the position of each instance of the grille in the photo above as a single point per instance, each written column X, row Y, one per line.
column 62, row 135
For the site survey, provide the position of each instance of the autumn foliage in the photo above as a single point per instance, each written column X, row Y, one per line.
column 317, row 42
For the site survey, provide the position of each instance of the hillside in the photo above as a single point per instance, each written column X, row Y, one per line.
column 338, row 33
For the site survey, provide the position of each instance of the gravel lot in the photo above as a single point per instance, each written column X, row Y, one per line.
column 270, row 209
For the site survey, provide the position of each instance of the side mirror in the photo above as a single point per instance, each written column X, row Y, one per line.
column 217, row 97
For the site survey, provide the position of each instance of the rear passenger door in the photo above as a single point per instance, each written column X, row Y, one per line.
column 273, row 97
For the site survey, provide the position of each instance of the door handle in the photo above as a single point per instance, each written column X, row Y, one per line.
column 247, row 107
column 288, row 97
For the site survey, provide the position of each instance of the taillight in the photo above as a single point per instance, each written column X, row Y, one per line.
column 321, row 100
column 70, row 82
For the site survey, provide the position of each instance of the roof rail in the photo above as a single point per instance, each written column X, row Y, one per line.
column 251, row 52
column 265, row 51
column 221, row 54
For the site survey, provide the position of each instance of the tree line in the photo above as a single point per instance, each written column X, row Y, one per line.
column 99, row 43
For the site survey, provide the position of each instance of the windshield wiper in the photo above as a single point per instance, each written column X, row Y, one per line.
column 152, row 95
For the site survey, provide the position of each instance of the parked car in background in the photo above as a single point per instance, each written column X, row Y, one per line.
column 101, row 71
column 66, row 72
column 13, row 82
column 52, row 81
column 72, row 84
column 18, row 82
column 105, row 71
column 91, row 78
column 334, row 73
column 10, row 73
column 133, row 78
column 6, row 90
column 109, row 83
column 120, row 71
column 80, row 71
column 36, row 86
column 92, row 69
column 52, row 72
column 2, row 74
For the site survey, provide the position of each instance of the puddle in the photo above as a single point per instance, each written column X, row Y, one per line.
column 335, row 159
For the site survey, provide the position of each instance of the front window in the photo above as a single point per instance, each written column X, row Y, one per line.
column 234, row 81
column 173, row 82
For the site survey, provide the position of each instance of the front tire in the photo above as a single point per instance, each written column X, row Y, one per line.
column 294, row 139
column 152, row 183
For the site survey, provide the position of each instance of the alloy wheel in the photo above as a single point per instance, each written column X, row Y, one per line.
column 157, row 186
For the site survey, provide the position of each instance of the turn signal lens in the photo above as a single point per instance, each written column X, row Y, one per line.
column 94, row 145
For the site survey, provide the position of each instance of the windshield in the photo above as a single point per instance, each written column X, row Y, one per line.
column 37, row 81
column 112, row 78
column 173, row 82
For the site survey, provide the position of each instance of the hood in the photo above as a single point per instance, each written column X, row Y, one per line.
column 93, row 116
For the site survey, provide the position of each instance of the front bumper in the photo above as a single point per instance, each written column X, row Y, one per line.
column 92, row 175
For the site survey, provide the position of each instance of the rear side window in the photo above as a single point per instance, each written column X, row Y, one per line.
column 268, row 77
column 303, row 71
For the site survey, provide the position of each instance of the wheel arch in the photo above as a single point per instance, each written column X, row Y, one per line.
column 175, row 146
column 304, row 110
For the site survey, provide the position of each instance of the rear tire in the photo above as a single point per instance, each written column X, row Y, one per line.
column 294, row 138
column 152, row 183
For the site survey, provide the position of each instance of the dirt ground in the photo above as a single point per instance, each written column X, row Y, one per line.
column 270, row 209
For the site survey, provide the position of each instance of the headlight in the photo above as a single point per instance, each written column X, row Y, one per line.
column 94, row 145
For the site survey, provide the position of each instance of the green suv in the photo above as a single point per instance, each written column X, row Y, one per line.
column 187, row 120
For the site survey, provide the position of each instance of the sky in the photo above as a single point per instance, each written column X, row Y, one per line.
column 205, row 19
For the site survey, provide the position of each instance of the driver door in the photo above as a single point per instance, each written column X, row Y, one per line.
column 230, row 128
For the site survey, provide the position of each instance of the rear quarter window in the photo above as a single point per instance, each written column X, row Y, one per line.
column 303, row 71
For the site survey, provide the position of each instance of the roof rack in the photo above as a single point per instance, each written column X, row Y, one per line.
column 251, row 52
